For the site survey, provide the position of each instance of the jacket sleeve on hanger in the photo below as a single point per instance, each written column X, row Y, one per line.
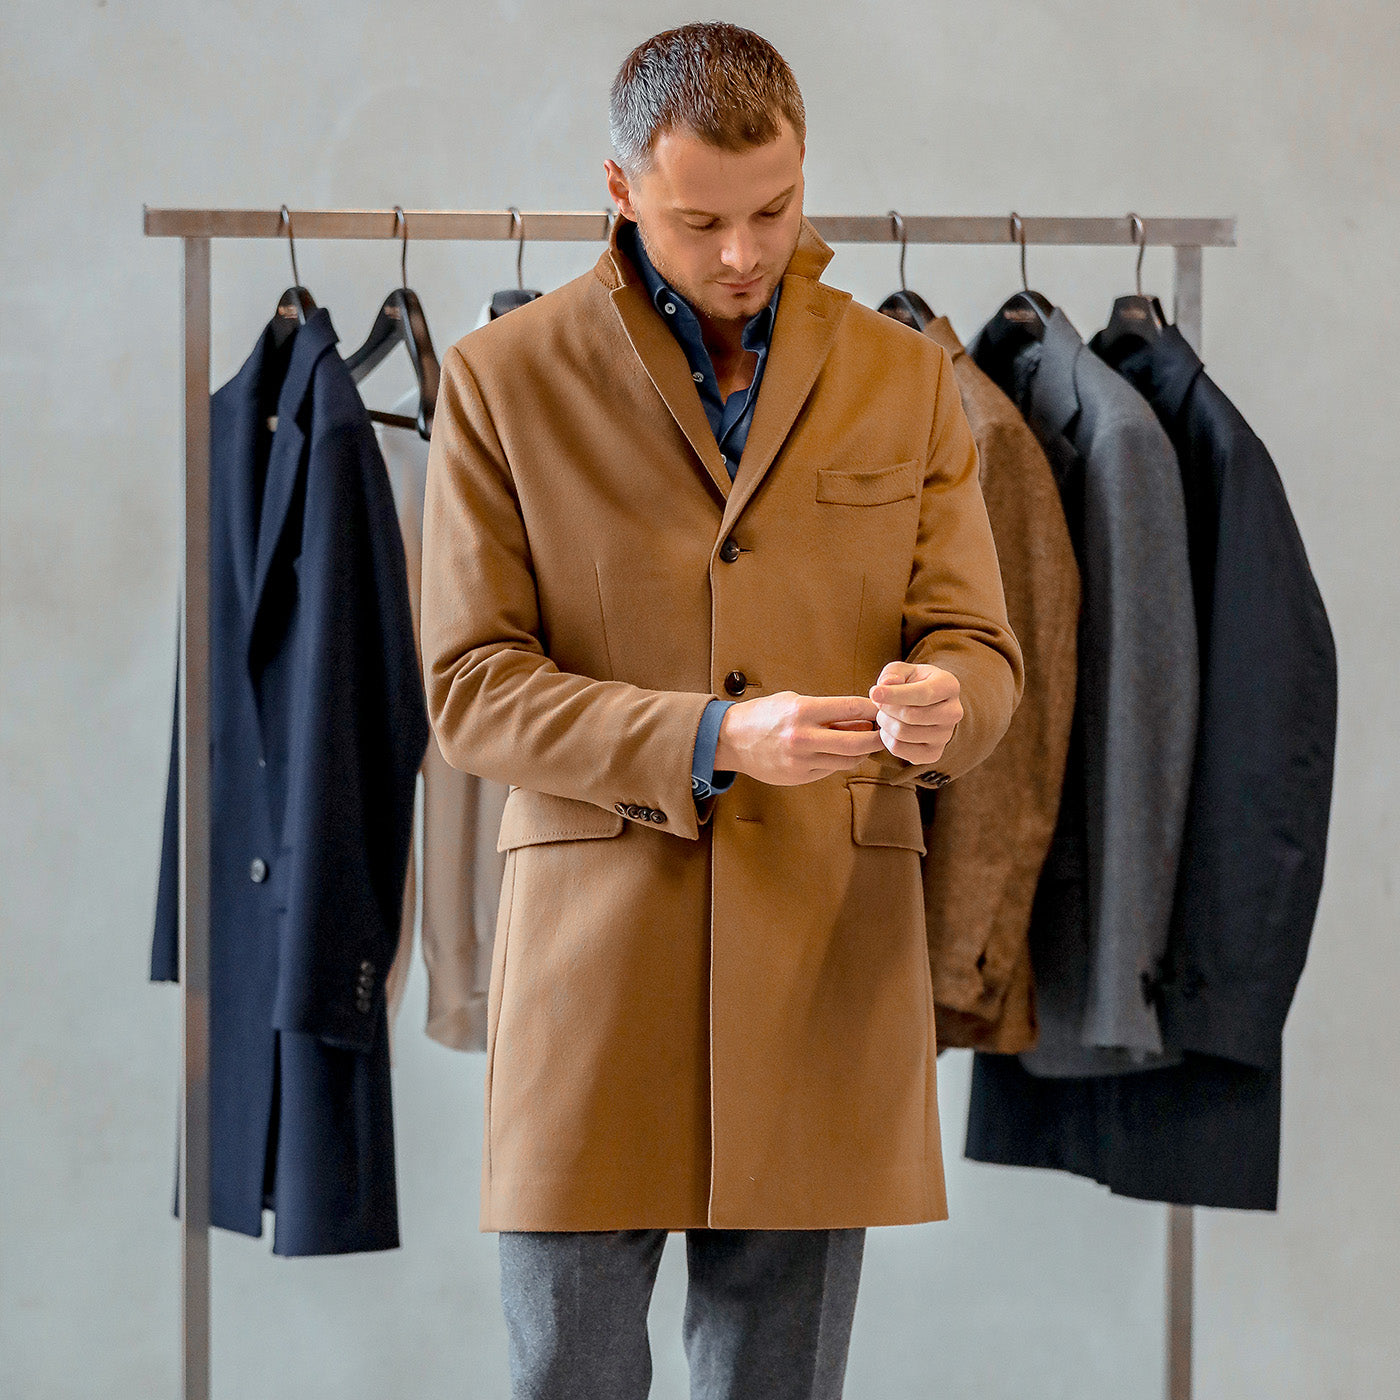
column 357, row 731
column 500, row 706
column 954, row 609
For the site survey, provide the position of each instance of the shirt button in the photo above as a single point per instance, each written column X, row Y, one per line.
column 670, row 308
column 257, row 871
column 698, row 376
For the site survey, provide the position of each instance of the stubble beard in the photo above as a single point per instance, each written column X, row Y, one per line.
column 699, row 298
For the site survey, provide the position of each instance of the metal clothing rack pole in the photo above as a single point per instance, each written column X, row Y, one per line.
column 196, row 228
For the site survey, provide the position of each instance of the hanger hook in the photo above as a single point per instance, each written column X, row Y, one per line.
column 1140, row 238
column 291, row 244
column 518, row 221
column 401, row 218
column 898, row 231
column 1018, row 232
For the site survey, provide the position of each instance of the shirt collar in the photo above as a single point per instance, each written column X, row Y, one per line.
column 758, row 330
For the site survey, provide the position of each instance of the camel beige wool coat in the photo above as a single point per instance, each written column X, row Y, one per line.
column 715, row 1014
column 988, row 836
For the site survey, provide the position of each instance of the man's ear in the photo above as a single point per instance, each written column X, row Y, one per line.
column 618, row 187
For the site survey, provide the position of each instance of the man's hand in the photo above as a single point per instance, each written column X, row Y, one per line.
column 787, row 738
column 918, row 710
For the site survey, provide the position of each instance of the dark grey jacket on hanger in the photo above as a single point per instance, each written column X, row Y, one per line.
column 1103, row 905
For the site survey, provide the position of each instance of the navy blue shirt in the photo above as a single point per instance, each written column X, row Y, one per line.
column 729, row 419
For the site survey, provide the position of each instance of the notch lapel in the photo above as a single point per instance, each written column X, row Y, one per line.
column 233, row 421
column 285, row 461
column 668, row 369
column 809, row 314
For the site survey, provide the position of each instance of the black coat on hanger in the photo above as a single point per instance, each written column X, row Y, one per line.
column 318, row 725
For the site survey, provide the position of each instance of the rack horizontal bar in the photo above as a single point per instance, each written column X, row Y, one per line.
column 546, row 226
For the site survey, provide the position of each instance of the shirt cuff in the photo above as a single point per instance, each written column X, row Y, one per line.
column 704, row 780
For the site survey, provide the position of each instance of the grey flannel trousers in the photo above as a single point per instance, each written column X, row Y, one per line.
column 768, row 1313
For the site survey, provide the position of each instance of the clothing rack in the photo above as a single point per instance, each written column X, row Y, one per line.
column 197, row 228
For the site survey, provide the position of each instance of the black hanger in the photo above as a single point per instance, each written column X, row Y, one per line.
column 905, row 305
column 401, row 322
column 296, row 304
column 1136, row 319
column 1020, row 319
column 518, row 295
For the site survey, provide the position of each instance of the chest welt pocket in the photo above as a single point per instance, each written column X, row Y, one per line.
column 530, row 818
column 872, row 486
column 886, row 814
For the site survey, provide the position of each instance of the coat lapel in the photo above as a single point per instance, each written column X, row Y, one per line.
column 234, row 421
column 288, row 440
column 809, row 313
column 666, row 366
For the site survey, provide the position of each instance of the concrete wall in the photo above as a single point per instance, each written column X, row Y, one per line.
column 1283, row 114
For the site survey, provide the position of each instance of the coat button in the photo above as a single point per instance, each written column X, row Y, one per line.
column 657, row 816
column 735, row 682
column 729, row 551
column 257, row 871
column 620, row 807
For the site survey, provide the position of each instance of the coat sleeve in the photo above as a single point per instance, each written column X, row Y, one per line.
column 954, row 608
column 500, row 706
column 356, row 731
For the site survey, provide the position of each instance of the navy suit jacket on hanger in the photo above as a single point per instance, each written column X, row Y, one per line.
column 318, row 725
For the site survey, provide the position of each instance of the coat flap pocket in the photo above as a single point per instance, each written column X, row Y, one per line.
column 871, row 487
column 529, row 818
column 886, row 814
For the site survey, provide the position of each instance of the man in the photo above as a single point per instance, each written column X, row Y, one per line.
column 697, row 474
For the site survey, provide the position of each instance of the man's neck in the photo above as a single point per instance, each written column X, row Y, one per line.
column 723, row 339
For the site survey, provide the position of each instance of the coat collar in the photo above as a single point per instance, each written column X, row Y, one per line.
column 941, row 330
column 804, row 330
column 1162, row 370
column 257, row 526
column 1054, row 398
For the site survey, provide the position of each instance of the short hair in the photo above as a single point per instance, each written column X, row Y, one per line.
column 726, row 85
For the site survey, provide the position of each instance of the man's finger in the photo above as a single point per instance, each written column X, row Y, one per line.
column 941, row 685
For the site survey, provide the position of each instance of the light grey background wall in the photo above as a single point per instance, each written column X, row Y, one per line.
column 1282, row 113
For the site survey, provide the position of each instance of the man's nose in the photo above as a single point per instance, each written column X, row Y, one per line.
column 741, row 253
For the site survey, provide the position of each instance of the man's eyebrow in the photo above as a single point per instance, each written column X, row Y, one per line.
column 708, row 214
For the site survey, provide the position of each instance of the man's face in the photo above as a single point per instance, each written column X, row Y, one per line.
column 719, row 226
